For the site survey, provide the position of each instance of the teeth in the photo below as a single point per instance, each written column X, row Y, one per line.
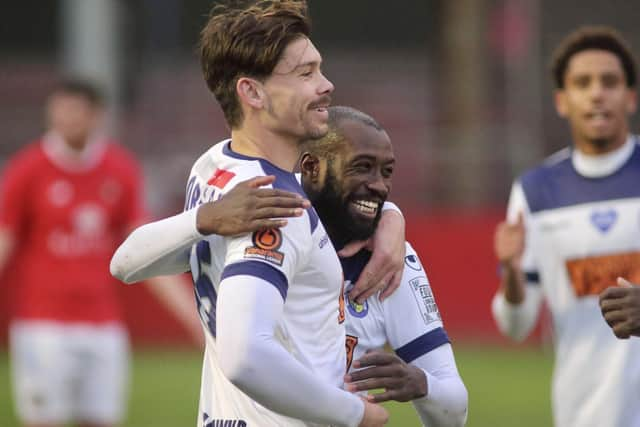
column 366, row 206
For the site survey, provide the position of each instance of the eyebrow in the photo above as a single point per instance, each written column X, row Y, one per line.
column 307, row 64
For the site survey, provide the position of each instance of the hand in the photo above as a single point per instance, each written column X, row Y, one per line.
column 620, row 307
column 374, row 415
column 509, row 241
column 247, row 208
column 384, row 269
column 402, row 382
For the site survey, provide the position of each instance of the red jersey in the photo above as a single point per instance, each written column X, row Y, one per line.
column 68, row 213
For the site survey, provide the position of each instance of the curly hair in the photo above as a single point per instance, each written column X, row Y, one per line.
column 587, row 38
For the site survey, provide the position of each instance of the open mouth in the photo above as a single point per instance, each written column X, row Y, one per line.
column 367, row 208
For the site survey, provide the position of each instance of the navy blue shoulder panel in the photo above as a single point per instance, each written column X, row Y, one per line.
column 551, row 186
column 284, row 180
column 353, row 266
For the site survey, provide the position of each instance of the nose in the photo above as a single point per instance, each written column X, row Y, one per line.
column 326, row 87
column 379, row 185
column 596, row 90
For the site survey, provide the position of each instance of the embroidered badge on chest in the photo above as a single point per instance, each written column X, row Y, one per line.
column 604, row 220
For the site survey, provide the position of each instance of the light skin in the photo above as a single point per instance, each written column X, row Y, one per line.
column 286, row 108
column 597, row 103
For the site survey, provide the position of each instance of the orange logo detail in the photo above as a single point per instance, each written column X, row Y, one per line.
column 269, row 240
column 351, row 344
column 341, row 315
column 592, row 275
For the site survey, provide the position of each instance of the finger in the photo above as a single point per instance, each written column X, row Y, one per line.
column 266, row 224
column 382, row 397
column 367, row 384
column 392, row 284
column 622, row 331
column 624, row 283
column 370, row 280
column 610, row 304
column 615, row 317
column 375, row 358
column 520, row 220
column 260, row 181
column 394, row 371
column 272, row 213
column 614, row 292
column 281, row 202
column 276, row 192
column 352, row 248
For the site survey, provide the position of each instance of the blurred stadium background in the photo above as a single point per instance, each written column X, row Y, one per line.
column 461, row 86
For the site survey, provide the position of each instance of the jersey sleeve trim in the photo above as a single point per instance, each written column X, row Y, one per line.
column 423, row 344
column 260, row 270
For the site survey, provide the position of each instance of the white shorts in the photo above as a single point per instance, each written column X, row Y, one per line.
column 69, row 372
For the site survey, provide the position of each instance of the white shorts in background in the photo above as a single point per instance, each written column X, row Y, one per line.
column 76, row 372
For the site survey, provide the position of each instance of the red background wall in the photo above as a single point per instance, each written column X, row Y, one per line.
column 455, row 248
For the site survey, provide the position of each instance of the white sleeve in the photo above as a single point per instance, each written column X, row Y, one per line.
column 156, row 249
column 517, row 320
column 445, row 404
column 390, row 206
column 250, row 357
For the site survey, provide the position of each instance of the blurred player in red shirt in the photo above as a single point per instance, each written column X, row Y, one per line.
column 66, row 202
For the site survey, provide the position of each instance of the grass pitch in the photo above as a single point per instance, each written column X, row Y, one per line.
column 506, row 387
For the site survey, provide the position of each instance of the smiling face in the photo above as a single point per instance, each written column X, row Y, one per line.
column 297, row 94
column 596, row 101
column 353, row 183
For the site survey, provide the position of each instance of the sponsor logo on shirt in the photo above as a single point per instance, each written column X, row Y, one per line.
column 592, row 275
column 412, row 262
column 221, row 178
column 603, row 220
column 425, row 300
column 60, row 193
column 265, row 246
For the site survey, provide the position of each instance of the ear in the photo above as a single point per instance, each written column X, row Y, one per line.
column 632, row 101
column 560, row 99
column 310, row 167
column 250, row 92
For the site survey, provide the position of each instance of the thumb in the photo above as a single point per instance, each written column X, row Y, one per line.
column 352, row 248
column 520, row 219
column 624, row 283
column 261, row 181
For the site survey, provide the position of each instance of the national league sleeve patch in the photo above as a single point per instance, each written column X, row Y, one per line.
column 265, row 246
column 425, row 299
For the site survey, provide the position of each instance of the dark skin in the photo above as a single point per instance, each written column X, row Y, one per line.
column 247, row 208
column 361, row 170
column 620, row 307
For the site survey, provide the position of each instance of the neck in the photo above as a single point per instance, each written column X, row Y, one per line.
column 595, row 148
column 262, row 143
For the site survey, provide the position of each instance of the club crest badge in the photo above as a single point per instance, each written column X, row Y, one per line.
column 355, row 309
column 604, row 220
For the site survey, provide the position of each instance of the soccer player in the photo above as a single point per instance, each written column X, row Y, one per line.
column 572, row 229
column 346, row 175
column 66, row 201
column 270, row 300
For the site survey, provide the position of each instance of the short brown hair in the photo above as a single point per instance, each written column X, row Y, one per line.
column 246, row 39
column 587, row 38
column 82, row 88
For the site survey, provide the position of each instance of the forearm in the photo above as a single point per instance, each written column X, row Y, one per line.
column 156, row 249
column 252, row 359
column 445, row 404
column 517, row 320
column 7, row 242
column 512, row 283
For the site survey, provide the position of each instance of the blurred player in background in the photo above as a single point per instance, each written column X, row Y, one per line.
column 66, row 202
column 573, row 227
column 346, row 174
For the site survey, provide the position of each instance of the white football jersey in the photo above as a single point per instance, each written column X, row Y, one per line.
column 298, row 259
column 581, row 234
column 408, row 320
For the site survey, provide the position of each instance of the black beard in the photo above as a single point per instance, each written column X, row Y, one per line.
column 335, row 216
